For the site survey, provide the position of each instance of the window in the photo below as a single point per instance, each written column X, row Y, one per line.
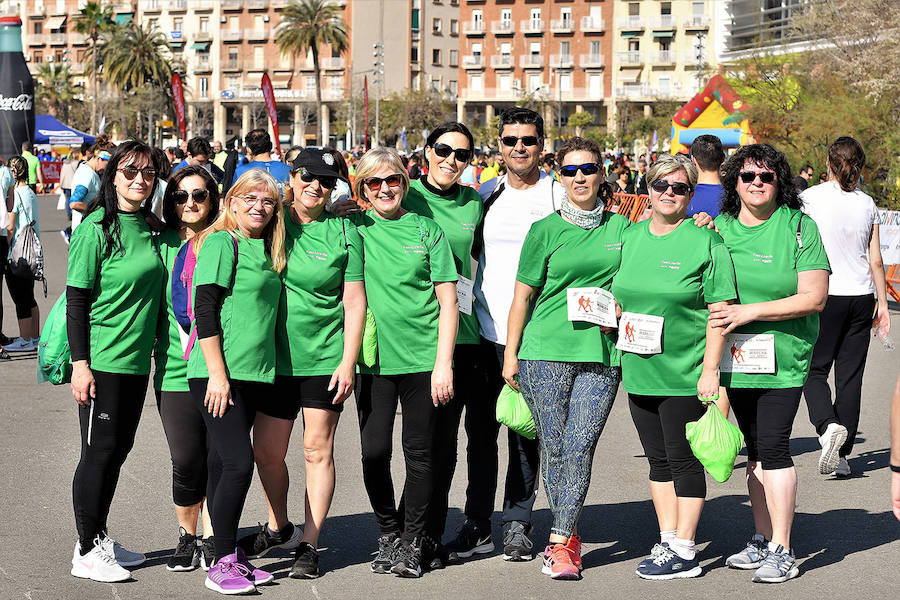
column 665, row 44
column 454, row 27
column 177, row 24
column 454, row 58
column 634, row 9
column 451, row 85
column 153, row 24
column 596, row 49
column 38, row 27
column 454, row 2
column 506, row 15
column 506, row 48
column 414, row 19
column 566, row 15
column 259, row 57
column 595, row 86
column 535, row 16
column 310, row 85
column 535, row 48
column 476, row 83
column 564, row 48
column 436, row 25
column 476, row 16
column 37, row 58
column 698, row 8
column 565, row 82
column 203, row 84
column 664, row 85
column 504, row 82
column 234, row 24
column 258, row 23
column 233, row 57
column 596, row 13
column 233, row 82
column 435, row 56
column 204, row 24
column 414, row 54
column 665, row 8
column 634, row 45
column 534, row 83
column 476, row 49
column 334, row 83
column 435, row 85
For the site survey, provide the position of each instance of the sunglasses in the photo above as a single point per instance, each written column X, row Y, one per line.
column 572, row 170
column 511, row 140
column 199, row 196
column 374, row 183
column 443, row 150
column 130, row 172
column 324, row 180
column 764, row 176
column 678, row 188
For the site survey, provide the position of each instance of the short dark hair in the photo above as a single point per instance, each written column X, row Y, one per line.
column 258, row 141
column 450, row 127
column 198, row 146
column 521, row 116
column 707, row 151
column 768, row 157
column 161, row 163
column 168, row 202
column 807, row 167
column 576, row 144
column 846, row 159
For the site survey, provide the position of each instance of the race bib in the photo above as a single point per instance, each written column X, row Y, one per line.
column 464, row 295
column 748, row 353
column 640, row 334
column 591, row 305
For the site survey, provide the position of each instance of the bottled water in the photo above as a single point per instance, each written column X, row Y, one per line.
column 884, row 338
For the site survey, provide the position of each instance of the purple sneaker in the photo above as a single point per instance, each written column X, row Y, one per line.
column 229, row 577
column 257, row 576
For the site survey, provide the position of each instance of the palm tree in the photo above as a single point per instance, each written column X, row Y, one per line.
column 94, row 20
column 306, row 25
column 56, row 88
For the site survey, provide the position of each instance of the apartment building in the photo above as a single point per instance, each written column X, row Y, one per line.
column 745, row 27
column 554, row 56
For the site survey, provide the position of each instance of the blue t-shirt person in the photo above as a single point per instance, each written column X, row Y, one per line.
column 277, row 169
column 707, row 198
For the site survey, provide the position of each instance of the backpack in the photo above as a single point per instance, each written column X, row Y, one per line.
column 26, row 258
column 182, row 288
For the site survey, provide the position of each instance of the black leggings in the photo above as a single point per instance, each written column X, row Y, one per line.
column 4, row 250
column 376, row 404
column 108, row 426
column 188, row 445
column 230, row 457
column 660, row 422
column 766, row 417
column 21, row 290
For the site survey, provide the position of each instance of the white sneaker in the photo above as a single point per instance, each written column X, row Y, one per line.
column 125, row 558
column 831, row 441
column 21, row 345
column 843, row 468
column 99, row 564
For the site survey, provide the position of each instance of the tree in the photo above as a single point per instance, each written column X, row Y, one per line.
column 93, row 20
column 579, row 120
column 56, row 89
column 416, row 111
column 305, row 26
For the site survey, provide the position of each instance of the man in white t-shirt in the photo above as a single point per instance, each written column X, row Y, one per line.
column 513, row 203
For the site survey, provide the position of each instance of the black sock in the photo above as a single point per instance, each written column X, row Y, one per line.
column 86, row 546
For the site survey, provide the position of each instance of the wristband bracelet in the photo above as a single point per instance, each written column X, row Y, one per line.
column 895, row 468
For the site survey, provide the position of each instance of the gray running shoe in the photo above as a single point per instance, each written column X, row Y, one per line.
column 779, row 566
column 516, row 545
column 752, row 556
column 831, row 441
column 388, row 546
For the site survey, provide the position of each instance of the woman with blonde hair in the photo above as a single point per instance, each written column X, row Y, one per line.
column 239, row 260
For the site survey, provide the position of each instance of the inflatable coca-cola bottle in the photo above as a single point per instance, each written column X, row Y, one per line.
column 16, row 90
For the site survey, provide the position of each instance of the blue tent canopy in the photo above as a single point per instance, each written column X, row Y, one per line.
column 50, row 131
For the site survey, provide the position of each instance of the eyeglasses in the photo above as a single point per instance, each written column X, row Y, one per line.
column 130, row 172
column 527, row 140
column 572, row 170
column 199, row 196
column 324, row 180
column 374, row 183
column 678, row 188
column 764, row 176
column 250, row 201
column 444, row 150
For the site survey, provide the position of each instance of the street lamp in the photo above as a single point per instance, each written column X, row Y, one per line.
column 378, row 54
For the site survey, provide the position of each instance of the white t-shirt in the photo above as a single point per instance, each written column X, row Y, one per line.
column 6, row 182
column 505, row 226
column 85, row 176
column 845, row 221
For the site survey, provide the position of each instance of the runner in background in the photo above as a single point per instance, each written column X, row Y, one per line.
column 707, row 156
column 21, row 288
column 86, row 182
column 7, row 187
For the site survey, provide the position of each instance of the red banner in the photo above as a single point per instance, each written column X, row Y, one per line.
column 366, row 112
column 269, row 96
column 50, row 170
column 178, row 94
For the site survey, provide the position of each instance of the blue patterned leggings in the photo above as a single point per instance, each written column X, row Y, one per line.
column 570, row 402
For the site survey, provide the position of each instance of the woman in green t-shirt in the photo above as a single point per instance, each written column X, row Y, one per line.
column 317, row 339
column 232, row 368
column 411, row 289
column 567, row 366
column 113, row 290
column 190, row 201
column 672, row 274
column 782, row 284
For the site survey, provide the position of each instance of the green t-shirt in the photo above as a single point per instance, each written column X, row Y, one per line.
column 557, row 255
column 674, row 276
column 127, row 288
column 34, row 163
column 767, row 259
column 171, row 368
column 405, row 257
column 457, row 213
column 249, row 306
column 309, row 332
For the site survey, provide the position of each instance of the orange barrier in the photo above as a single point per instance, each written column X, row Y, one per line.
column 633, row 207
column 893, row 277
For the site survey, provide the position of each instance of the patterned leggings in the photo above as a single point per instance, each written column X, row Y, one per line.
column 570, row 403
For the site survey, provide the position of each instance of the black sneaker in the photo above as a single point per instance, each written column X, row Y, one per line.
column 207, row 553
column 409, row 559
column 470, row 539
column 257, row 545
column 388, row 544
column 434, row 554
column 306, row 563
column 516, row 545
column 187, row 554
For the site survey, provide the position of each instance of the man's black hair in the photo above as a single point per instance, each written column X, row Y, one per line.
column 521, row 116
column 707, row 151
column 258, row 141
column 199, row 147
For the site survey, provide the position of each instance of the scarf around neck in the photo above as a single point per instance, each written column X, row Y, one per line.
column 586, row 219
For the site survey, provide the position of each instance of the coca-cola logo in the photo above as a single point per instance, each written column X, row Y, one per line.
column 20, row 102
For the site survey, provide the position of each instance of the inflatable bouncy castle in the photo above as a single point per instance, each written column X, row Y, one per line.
column 718, row 111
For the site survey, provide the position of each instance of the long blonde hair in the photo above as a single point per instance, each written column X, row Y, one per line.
column 273, row 234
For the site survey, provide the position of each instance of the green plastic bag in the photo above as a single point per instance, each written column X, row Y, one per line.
column 513, row 412
column 715, row 442
column 368, row 350
column 54, row 357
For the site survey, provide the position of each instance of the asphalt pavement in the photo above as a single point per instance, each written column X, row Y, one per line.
column 846, row 539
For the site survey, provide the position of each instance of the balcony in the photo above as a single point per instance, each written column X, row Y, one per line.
column 279, row 4
column 37, row 39
column 503, row 27
column 471, row 61
column 662, row 22
column 178, row 6
column 257, row 4
column 473, row 28
column 332, row 94
column 696, row 22
column 663, row 57
column 59, row 39
column 232, row 65
column 633, row 22
column 562, row 26
column 232, row 35
column 689, row 59
column 232, row 4
column 122, row 7
column 641, row 90
column 78, row 39
column 532, row 26
column 202, row 36
column 256, row 35
column 531, row 61
column 562, row 61
column 203, row 66
column 203, row 5
column 503, row 61
column 77, row 68
column 332, row 63
column 152, row 6
column 491, row 94
column 592, row 61
column 631, row 58
column 592, row 25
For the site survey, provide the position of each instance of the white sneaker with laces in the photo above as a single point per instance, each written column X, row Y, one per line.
column 831, row 441
column 99, row 564
column 125, row 558
column 21, row 345
column 843, row 468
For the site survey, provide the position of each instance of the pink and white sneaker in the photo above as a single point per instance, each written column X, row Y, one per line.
column 257, row 576
column 229, row 577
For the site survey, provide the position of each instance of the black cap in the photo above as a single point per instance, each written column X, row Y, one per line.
column 317, row 162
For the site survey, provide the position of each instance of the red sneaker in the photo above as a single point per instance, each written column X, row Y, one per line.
column 574, row 546
column 558, row 563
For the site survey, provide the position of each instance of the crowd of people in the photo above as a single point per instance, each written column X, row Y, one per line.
column 326, row 275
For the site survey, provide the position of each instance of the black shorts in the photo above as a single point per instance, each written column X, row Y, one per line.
column 292, row 393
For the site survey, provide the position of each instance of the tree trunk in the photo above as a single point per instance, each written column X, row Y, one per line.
column 315, row 57
column 94, row 74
